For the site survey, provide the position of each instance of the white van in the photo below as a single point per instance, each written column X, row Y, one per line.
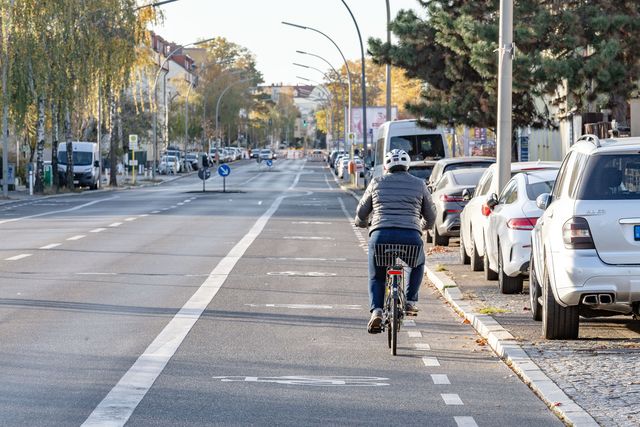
column 86, row 164
column 419, row 142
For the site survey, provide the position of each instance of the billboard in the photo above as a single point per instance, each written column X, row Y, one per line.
column 375, row 117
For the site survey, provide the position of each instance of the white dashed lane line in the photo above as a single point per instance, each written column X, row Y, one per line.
column 422, row 346
column 116, row 224
column 409, row 323
column 131, row 219
column 144, row 215
column 51, row 246
column 17, row 257
column 440, row 379
column 78, row 237
column 430, row 361
column 414, row 334
column 465, row 422
column 97, row 230
column 155, row 212
column 451, row 399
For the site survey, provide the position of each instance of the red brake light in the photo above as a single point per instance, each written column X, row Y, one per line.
column 576, row 234
column 448, row 198
column 486, row 210
column 522, row 223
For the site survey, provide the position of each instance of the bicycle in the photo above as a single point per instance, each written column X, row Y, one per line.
column 395, row 257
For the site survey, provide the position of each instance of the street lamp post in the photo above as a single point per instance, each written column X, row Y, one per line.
column 388, row 66
column 505, row 49
column 155, row 101
column 365, row 130
column 204, row 103
column 226, row 89
column 346, row 64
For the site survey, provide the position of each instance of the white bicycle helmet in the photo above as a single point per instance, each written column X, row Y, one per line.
column 396, row 160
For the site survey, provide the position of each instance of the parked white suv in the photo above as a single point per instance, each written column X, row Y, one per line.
column 586, row 246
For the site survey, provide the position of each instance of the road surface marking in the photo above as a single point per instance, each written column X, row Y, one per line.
column 56, row 212
column 115, row 224
column 430, row 361
column 308, row 238
column 422, row 346
column 414, row 334
column 165, row 209
column 78, row 237
column 311, row 380
column 409, row 323
column 116, row 408
column 307, row 259
column 308, row 306
column 301, row 273
column 131, row 219
column 187, row 201
column 327, row 181
column 143, row 215
column 51, row 246
column 155, row 212
column 440, row 379
column 311, row 222
column 17, row 257
column 451, row 399
column 97, row 274
column 180, row 204
column 465, row 422
column 260, row 203
column 97, row 230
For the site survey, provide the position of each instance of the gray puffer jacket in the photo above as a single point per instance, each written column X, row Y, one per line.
column 397, row 200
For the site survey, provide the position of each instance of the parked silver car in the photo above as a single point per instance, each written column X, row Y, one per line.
column 449, row 202
column 586, row 246
column 453, row 163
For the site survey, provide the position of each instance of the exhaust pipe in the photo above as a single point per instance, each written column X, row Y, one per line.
column 591, row 299
column 605, row 299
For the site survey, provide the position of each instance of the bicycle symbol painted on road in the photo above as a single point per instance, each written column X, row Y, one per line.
column 314, row 381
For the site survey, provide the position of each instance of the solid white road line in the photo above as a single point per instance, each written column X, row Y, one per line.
column 451, row 399
column 465, row 422
column 56, row 212
column 97, row 230
column 17, row 257
column 430, row 361
column 414, row 334
column 439, row 379
column 51, row 246
column 115, row 224
column 116, row 408
column 78, row 237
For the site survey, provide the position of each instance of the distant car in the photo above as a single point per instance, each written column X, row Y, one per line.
column 334, row 155
column 513, row 215
column 422, row 169
column 338, row 163
column 192, row 158
column 343, row 168
column 449, row 202
column 266, row 154
column 474, row 217
column 169, row 165
column 452, row 163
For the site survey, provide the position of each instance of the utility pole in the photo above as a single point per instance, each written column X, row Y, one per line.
column 505, row 50
column 388, row 66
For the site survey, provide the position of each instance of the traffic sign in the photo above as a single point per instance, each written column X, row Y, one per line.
column 224, row 170
column 133, row 142
column 204, row 174
column 269, row 162
column 351, row 137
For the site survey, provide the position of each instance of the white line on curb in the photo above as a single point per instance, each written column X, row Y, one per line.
column 465, row 422
column 116, row 408
column 17, row 257
column 430, row 361
column 451, row 399
column 440, row 379
column 51, row 246
column 78, row 237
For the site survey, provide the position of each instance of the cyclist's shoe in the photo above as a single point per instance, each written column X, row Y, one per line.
column 411, row 309
column 375, row 323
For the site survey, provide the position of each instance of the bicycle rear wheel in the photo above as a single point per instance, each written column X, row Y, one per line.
column 395, row 325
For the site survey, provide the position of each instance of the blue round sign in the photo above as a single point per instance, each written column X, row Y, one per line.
column 269, row 162
column 224, row 170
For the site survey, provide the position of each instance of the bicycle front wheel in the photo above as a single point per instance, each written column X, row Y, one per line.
column 395, row 325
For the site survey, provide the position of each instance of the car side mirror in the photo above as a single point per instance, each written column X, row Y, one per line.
column 492, row 201
column 467, row 194
column 96, row 164
column 543, row 201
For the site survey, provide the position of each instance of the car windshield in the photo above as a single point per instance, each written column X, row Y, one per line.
column 421, row 172
column 420, row 147
column 611, row 177
column 538, row 188
column 80, row 158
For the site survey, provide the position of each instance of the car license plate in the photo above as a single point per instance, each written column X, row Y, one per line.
column 636, row 232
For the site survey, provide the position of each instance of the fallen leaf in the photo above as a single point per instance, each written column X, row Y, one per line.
column 557, row 404
column 466, row 322
column 526, row 308
column 481, row 341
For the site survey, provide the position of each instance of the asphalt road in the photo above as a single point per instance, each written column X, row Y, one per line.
column 169, row 306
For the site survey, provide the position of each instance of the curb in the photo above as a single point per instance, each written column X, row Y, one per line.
column 507, row 348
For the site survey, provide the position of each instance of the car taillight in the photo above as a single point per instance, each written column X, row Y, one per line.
column 522, row 223
column 448, row 198
column 486, row 210
column 576, row 234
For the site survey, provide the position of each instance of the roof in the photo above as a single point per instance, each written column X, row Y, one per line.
column 541, row 175
column 453, row 160
column 591, row 143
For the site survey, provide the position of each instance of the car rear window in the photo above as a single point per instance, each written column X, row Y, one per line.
column 466, row 165
column 421, row 172
column 420, row 147
column 538, row 188
column 611, row 177
column 467, row 178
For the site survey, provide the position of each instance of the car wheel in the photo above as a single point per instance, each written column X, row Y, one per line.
column 489, row 274
column 464, row 258
column 476, row 261
column 429, row 236
column 558, row 322
column 508, row 284
column 534, row 293
column 438, row 239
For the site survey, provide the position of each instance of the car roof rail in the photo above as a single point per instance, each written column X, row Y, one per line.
column 590, row 138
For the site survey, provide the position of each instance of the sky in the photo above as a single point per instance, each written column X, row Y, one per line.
column 256, row 25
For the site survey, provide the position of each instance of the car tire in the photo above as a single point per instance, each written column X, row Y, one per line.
column 508, row 284
column 489, row 274
column 534, row 293
column 429, row 238
column 476, row 261
column 558, row 322
column 464, row 258
column 439, row 240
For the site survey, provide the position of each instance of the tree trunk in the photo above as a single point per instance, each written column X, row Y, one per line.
column 113, row 149
column 5, row 27
column 39, row 184
column 55, row 138
column 69, row 143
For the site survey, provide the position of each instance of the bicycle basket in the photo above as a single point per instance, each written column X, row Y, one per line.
column 387, row 253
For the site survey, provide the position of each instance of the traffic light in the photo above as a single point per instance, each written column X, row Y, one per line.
column 304, row 123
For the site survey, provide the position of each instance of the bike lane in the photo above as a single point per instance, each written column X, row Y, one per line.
column 284, row 341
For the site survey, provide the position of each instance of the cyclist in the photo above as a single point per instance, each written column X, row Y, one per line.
column 396, row 202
